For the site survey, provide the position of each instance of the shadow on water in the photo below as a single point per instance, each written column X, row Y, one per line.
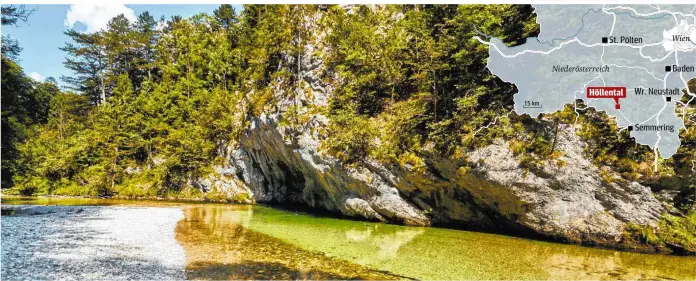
column 219, row 247
column 248, row 270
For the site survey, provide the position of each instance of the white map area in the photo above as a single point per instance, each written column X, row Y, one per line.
column 571, row 35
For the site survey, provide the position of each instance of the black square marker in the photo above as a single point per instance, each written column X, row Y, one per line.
column 669, row 99
column 605, row 40
column 630, row 128
column 668, row 68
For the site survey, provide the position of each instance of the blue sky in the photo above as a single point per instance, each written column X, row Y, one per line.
column 43, row 35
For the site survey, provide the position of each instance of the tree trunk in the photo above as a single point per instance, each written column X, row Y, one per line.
column 555, row 138
column 103, row 90
column 113, row 170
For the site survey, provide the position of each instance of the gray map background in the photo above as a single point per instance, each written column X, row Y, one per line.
column 571, row 35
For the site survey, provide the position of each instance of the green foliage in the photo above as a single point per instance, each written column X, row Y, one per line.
column 400, row 131
column 99, row 58
column 350, row 137
column 673, row 233
column 417, row 70
column 156, row 107
column 12, row 15
column 24, row 104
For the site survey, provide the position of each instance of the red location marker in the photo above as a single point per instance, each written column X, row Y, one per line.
column 614, row 93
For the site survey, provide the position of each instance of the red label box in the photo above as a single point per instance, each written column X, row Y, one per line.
column 615, row 93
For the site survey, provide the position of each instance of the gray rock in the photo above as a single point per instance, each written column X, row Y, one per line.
column 34, row 210
column 357, row 207
column 569, row 201
column 20, row 210
column 395, row 207
column 132, row 170
column 277, row 171
column 224, row 181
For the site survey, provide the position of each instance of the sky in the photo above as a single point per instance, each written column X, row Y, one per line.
column 42, row 36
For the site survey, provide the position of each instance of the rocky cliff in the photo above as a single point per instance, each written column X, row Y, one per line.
column 565, row 199
column 568, row 201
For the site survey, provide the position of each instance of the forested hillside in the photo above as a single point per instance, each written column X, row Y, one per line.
column 153, row 106
column 25, row 103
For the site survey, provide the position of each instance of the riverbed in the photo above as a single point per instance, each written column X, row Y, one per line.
column 96, row 239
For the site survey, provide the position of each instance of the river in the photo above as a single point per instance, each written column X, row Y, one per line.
column 121, row 240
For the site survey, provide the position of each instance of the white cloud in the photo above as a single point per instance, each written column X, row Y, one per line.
column 36, row 76
column 95, row 16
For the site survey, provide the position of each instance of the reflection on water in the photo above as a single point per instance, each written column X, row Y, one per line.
column 256, row 242
column 387, row 245
column 433, row 253
column 219, row 247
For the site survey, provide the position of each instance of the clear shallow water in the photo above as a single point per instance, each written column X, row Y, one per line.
column 243, row 242
column 93, row 243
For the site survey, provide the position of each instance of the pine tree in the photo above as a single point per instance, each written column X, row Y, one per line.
column 120, row 44
column 12, row 15
column 87, row 58
column 146, row 36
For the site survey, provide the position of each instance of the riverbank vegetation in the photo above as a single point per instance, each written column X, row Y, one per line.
column 149, row 108
column 154, row 103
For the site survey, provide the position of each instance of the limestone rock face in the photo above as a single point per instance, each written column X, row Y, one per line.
column 568, row 200
column 278, row 172
column 565, row 199
column 357, row 207
column 225, row 182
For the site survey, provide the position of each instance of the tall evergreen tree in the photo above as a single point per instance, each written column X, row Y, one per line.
column 88, row 60
column 119, row 43
column 146, row 36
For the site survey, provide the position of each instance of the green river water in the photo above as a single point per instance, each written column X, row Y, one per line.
column 266, row 235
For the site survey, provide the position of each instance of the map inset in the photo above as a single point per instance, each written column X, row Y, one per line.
column 584, row 52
